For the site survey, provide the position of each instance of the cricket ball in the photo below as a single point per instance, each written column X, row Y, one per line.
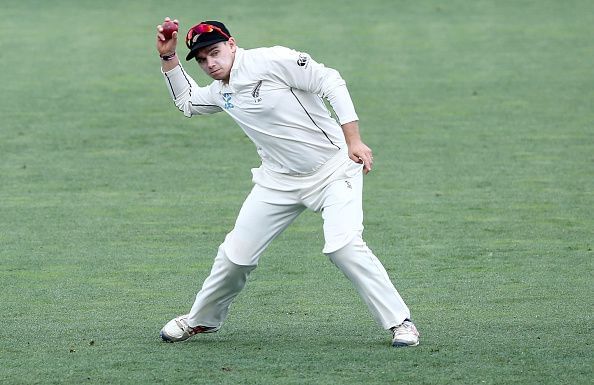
column 168, row 28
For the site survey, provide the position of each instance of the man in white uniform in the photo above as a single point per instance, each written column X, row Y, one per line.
column 309, row 161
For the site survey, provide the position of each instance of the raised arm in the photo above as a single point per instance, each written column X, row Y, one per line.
column 188, row 97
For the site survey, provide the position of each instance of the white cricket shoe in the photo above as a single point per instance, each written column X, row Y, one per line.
column 178, row 329
column 405, row 334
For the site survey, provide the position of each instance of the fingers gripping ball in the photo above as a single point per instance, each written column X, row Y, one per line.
column 168, row 28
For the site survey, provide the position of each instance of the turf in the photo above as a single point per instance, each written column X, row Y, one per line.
column 112, row 204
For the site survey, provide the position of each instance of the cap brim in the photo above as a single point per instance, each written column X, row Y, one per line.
column 196, row 47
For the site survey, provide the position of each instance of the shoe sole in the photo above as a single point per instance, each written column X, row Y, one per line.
column 168, row 338
column 403, row 344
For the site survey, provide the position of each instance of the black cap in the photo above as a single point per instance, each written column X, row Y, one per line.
column 196, row 40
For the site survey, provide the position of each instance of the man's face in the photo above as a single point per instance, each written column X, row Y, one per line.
column 216, row 60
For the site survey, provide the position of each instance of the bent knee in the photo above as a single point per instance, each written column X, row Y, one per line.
column 346, row 242
column 243, row 252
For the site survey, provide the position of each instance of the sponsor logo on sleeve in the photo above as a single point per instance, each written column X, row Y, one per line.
column 303, row 60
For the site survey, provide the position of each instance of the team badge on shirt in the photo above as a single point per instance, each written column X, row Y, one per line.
column 227, row 99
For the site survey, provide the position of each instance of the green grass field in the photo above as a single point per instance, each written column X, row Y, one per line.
column 481, row 204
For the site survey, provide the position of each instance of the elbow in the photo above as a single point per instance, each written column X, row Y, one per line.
column 183, row 103
column 332, row 82
column 186, row 109
column 183, row 106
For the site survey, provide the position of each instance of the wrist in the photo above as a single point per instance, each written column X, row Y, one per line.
column 168, row 56
column 351, row 132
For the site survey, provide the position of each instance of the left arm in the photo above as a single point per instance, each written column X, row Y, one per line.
column 299, row 70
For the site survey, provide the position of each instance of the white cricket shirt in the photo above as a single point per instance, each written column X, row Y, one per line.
column 275, row 95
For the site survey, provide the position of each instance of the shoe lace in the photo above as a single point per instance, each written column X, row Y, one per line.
column 191, row 330
column 405, row 327
column 183, row 324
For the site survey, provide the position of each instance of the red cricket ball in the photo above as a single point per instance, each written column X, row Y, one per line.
column 168, row 28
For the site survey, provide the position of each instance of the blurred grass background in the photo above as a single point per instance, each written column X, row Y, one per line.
column 112, row 204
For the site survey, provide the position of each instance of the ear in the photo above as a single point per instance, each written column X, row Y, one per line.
column 232, row 44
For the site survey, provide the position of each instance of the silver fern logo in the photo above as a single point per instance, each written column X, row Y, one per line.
column 256, row 92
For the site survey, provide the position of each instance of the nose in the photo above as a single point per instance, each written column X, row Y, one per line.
column 209, row 62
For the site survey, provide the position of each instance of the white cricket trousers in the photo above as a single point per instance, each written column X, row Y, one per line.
column 264, row 215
